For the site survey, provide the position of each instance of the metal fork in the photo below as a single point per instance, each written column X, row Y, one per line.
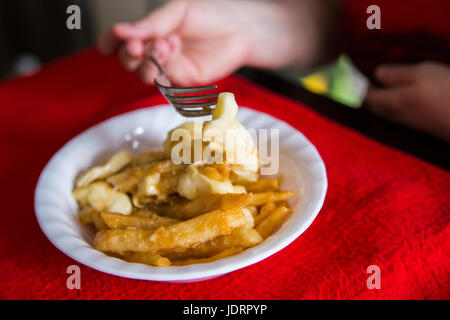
column 180, row 98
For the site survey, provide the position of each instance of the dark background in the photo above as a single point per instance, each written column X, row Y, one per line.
column 34, row 32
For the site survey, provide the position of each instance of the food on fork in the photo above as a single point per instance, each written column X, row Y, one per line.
column 199, row 199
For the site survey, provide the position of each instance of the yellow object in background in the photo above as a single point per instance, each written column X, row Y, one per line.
column 316, row 83
column 340, row 81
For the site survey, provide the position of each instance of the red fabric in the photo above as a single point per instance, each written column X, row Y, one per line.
column 383, row 207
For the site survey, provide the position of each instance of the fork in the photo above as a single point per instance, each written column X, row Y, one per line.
column 180, row 98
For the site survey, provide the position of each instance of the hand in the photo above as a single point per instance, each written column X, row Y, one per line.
column 201, row 41
column 416, row 95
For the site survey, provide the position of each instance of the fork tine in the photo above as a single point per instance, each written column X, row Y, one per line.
column 193, row 113
column 192, row 98
column 193, row 105
column 180, row 90
column 183, row 90
column 189, row 108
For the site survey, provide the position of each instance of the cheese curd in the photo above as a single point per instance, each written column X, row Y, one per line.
column 100, row 196
column 111, row 166
column 223, row 139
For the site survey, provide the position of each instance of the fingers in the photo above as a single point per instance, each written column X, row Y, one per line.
column 108, row 43
column 147, row 71
column 131, row 54
column 389, row 102
column 166, row 52
column 396, row 74
column 159, row 23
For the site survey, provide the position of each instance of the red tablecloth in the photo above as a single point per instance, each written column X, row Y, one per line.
column 383, row 207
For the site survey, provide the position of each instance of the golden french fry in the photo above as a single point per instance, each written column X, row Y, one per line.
column 182, row 235
column 264, row 212
column 225, row 253
column 148, row 258
column 111, row 166
column 223, row 169
column 144, row 213
column 148, row 157
column 261, row 198
column 243, row 237
column 262, row 185
column 121, row 240
column 215, row 172
column 85, row 216
column 122, row 181
column 128, row 180
column 190, row 209
column 98, row 220
column 91, row 216
column 120, row 221
column 269, row 224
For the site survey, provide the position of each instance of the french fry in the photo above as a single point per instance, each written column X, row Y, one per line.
column 128, row 180
column 244, row 238
column 219, row 172
column 91, row 216
column 261, row 198
column 225, row 253
column 264, row 212
column 98, row 220
column 190, row 209
column 179, row 236
column 148, row 258
column 269, row 224
column 122, row 180
column 144, row 213
column 85, row 216
column 148, row 157
column 120, row 221
column 223, row 169
column 120, row 240
column 262, row 185
column 156, row 201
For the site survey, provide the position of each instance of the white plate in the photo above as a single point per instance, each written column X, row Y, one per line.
column 56, row 210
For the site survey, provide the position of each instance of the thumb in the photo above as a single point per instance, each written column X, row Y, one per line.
column 158, row 23
column 396, row 74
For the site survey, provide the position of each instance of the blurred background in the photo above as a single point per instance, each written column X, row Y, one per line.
column 31, row 32
column 31, row 35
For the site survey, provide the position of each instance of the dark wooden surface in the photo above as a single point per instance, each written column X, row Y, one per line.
column 397, row 136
